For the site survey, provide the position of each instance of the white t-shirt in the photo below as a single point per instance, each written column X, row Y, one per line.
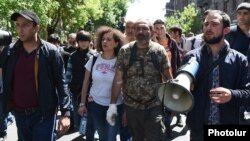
column 103, row 73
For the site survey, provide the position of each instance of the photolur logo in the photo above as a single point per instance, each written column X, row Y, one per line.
column 235, row 132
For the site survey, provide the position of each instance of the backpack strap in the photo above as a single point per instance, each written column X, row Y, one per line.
column 91, row 69
column 90, row 76
column 155, row 61
column 193, row 41
column 132, row 58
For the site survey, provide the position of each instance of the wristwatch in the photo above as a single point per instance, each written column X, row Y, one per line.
column 81, row 104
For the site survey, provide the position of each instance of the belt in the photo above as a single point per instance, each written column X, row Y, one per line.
column 28, row 111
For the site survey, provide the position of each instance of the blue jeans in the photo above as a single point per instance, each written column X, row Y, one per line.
column 90, row 131
column 35, row 127
column 106, row 132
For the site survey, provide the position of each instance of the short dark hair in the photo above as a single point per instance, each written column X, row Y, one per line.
column 83, row 35
column 176, row 28
column 159, row 21
column 225, row 18
column 53, row 38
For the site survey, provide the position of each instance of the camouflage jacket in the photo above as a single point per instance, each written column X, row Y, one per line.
column 142, row 78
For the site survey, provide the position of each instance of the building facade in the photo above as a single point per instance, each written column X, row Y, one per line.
column 228, row 6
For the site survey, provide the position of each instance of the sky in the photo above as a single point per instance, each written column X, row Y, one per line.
column 148, row 9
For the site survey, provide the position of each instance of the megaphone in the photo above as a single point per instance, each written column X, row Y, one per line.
column 175, row 94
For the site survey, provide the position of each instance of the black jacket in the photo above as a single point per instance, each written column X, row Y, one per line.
column 78, row 60
column 52, row 89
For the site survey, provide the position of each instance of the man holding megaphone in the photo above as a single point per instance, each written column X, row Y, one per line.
column 222, row 82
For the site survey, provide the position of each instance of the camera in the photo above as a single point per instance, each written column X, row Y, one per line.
column 5, row 38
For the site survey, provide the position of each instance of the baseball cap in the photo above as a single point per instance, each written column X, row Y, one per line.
column 244, row 5
column 27, row 14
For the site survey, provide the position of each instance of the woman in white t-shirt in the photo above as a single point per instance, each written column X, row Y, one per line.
column 108, row 43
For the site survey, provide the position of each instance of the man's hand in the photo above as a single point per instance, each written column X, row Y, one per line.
column 63, row 125
column 220, row 95
column 111, row 113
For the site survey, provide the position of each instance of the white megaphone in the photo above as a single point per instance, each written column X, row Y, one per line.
column 175, row 94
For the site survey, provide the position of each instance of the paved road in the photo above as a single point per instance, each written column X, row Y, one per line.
column 179, row 134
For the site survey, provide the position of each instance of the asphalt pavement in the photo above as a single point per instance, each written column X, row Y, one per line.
column 179, row 133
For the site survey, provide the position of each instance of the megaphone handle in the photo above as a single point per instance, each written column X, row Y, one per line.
column 171, row 81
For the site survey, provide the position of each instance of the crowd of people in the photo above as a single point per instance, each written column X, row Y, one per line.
column 114, row 78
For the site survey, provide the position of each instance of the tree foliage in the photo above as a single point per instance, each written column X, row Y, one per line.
column 65, row 16
column 189, row 19
column 111, row 15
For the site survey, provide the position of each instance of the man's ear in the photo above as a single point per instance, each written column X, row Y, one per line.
column 37, row 27
column 226, row 30
column 152, row 30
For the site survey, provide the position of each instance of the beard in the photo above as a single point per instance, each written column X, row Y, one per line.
column 142, row 39
column 213, row 40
